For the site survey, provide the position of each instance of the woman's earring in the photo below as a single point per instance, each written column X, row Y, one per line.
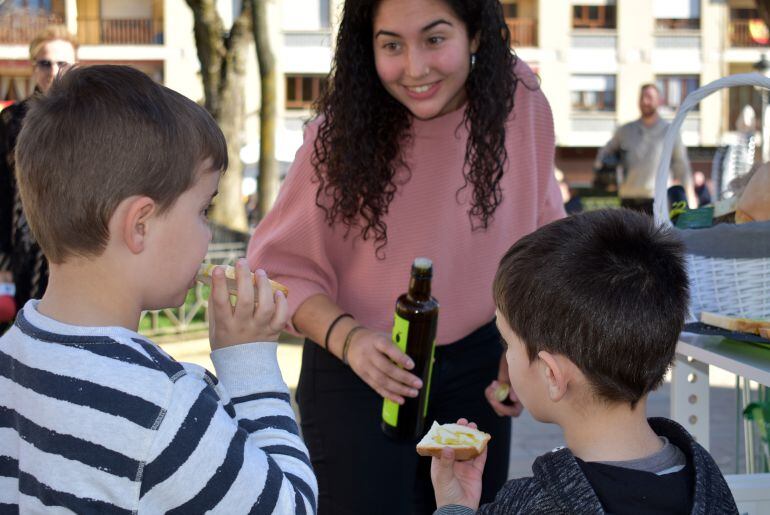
column 473, row 61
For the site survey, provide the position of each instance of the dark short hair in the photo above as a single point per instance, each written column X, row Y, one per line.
column 364, row 132
column 102, row 134
column 607, row 289
column 649, row 85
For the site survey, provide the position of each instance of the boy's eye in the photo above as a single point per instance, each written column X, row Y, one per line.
column 435, row 40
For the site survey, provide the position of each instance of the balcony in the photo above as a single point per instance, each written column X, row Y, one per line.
column 748, row 33
column 100, row 31
column 307, row 52
column 19, row 27
column 523, row 32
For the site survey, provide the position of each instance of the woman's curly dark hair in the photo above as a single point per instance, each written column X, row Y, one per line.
column 364, row 130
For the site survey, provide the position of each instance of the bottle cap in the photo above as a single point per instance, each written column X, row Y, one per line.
column 422, row 266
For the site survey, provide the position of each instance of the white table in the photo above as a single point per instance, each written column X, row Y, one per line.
column 690, row 376
column 690, row 401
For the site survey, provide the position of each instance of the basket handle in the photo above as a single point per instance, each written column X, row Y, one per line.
column 661, row 176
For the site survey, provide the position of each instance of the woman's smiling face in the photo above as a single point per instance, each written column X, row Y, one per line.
column 422, row 54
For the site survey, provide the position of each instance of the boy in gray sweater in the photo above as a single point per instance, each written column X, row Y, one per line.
column 590, row 308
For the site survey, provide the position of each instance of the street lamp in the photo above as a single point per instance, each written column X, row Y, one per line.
column 763, row 67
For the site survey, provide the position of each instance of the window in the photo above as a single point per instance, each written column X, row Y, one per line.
column 594, row 17
column 747, row 29
column 510, row 9
column 303, row 90
column 740, row 97
column 593, row 92
column 43, row 5
column 674, row 89
column 744, row 14
column 677, row 23
column 676, row 14
column 325, row 14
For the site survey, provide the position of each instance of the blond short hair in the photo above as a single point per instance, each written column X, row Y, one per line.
column 51, row 33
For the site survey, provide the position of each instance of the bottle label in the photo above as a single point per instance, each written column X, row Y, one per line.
column 400, row 332
column 430, row 379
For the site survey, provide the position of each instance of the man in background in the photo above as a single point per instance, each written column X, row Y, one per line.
column 638, row 145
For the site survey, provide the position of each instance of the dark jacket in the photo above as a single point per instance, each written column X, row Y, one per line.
column 560, row 487
column 19, row 252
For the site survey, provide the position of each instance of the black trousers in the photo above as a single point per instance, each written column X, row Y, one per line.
column 363, row 472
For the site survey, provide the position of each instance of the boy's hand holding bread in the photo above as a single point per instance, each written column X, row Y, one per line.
column 459, row 453
column 259, row 314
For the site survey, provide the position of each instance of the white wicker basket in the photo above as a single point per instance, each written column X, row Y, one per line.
column 736, row 285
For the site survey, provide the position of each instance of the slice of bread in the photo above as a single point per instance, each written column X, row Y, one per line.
column 742, row 325
column 466, row 441
column 204, row 276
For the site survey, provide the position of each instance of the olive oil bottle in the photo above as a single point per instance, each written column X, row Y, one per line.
column 414, row 332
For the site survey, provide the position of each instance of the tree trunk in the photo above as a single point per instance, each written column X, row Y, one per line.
column 267, row 186
column 223, row 69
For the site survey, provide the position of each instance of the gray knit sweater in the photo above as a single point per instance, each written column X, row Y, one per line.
column 560, row 487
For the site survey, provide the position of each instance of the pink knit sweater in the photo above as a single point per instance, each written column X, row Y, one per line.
column 427, row 218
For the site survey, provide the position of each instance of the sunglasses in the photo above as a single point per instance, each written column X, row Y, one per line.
column 45, row 64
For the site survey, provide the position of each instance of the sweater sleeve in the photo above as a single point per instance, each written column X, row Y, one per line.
column 516, row 496
column 290, row 243
column 454, row 509
column 231, row 446
column 611, row 147
column 552, row 205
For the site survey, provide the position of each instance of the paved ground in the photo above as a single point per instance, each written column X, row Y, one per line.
column 531, row 438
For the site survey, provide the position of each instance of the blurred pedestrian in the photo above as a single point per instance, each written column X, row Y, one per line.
column 640, row 143
column 22, row 263
column 702, row 190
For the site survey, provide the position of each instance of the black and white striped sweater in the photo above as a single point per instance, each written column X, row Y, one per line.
column 100, row 420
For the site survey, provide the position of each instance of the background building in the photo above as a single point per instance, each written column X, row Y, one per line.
column 592, row 57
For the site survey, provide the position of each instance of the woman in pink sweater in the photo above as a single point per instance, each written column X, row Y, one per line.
column 432, row 140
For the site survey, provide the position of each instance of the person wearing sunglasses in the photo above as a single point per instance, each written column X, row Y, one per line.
column 23, row 268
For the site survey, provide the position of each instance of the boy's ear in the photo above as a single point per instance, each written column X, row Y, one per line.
column 135, row 223
column 555, row 375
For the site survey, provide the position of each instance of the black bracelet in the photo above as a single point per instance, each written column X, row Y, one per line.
column 329, row 331
column 348, row 339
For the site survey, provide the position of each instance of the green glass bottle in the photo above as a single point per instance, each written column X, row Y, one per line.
column 414, row 332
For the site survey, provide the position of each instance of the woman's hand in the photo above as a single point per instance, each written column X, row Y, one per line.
column 457, row 482
column 373, row 357
column 513, row 407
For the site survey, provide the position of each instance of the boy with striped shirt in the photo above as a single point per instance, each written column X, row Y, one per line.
column 116, row 175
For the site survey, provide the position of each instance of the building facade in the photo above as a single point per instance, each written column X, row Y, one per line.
column 592, row 57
